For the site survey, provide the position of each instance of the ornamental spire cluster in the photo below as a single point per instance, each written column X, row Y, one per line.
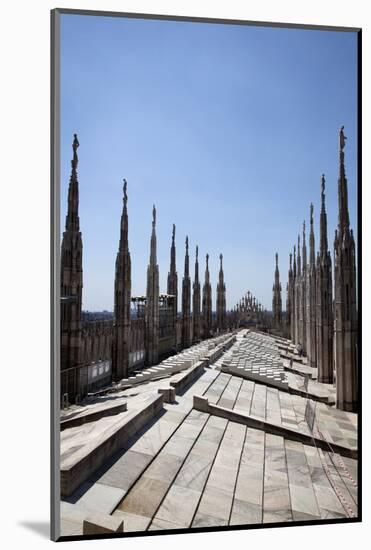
column 322, row 308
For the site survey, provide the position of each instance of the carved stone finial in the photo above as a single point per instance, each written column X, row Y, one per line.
column 196, row 253
column 290, row 260
column 154, row 216
column 221, row 259
column 186, row 243
column 311, row 214
column 276, row 259
column 207, row 260
column 173, row 236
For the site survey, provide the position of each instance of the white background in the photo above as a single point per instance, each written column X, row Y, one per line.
column 24, row 249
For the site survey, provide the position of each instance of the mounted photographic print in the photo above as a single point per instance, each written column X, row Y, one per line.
column 205, row 275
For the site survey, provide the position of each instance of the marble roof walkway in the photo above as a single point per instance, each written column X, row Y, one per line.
column 189, row 469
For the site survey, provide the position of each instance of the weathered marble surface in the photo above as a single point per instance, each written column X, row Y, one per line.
column 85, row 448
column 99, row 524
column 92, row 412
column 290, row 432
column 189, row 469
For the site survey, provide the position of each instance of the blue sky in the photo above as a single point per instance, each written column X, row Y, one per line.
column 226, row 128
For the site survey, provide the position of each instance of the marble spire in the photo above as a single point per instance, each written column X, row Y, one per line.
column 122, row 299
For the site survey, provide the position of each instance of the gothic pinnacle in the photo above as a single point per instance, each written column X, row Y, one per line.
column 71, row 277
column 120, row 358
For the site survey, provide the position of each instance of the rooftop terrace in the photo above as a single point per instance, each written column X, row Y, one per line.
column 168, row 465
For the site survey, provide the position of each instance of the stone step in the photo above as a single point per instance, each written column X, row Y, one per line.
column 201, row 403
column 181, row 381
column 85, row 448
column 93, row 412
column 100, row 524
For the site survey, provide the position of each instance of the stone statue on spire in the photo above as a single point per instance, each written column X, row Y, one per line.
column 75, row 145
column 342, row 138
column 125, row 187
column 323, row 186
